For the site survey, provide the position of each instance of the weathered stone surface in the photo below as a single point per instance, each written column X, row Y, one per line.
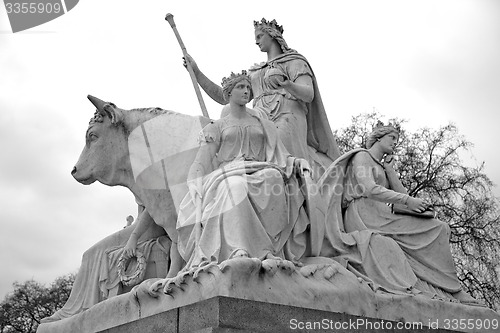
column 223, row 314
column 277, row 298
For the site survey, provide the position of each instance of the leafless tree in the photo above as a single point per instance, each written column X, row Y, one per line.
column 431, row 165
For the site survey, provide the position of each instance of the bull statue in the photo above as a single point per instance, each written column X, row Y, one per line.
column 147, row 150
column 139, row 149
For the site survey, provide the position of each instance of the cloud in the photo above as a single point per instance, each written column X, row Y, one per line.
column 49, row 219
column 457, row 71
column 425, row 61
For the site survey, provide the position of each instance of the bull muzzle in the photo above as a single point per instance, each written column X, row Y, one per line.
column 81, row 178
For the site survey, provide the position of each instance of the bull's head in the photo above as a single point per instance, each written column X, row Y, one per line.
column 105, row 155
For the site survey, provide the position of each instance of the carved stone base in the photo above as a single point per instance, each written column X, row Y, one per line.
column 239, row 295
column 228, row 315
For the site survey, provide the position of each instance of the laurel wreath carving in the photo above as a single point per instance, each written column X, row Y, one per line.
column 135, row 277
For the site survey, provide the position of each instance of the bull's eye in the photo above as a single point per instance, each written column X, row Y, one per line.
column 92, row 137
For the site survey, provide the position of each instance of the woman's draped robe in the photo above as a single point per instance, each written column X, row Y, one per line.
column 303, row 127
column 251, row 201
column 97, row 279
column 397, row 253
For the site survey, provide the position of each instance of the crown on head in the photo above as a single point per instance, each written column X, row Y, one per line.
column 380, row 124
column 227, row 81
column 268, row 24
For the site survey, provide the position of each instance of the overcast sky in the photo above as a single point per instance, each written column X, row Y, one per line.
column 429, row 61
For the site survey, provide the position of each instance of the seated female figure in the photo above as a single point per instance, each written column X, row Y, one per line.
column 397, row 253
column 239, row 201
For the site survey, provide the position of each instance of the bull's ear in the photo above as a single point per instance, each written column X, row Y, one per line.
column 114, row 113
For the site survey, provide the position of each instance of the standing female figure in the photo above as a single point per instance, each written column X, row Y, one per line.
column 286, row 91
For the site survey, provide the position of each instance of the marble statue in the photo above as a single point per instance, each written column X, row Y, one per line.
column 396, row 253
column 258, row 205
column 286, row 91
column 244, row 193
column 116, row 155
column 105, row 158
column 98, row 278
column 238, row 237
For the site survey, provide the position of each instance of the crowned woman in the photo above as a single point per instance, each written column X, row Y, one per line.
column 286, row 92
column 398, row 253
column 243, row 198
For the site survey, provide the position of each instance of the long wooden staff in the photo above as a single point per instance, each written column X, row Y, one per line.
column 170, row 19
column 198, row 201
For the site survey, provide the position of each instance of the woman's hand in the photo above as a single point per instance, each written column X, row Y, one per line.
column 195, row 187
column 188, row 59
column 417, row 205
column 389, row 162
column 278, row 81
column 302, row 166
column 129, row 250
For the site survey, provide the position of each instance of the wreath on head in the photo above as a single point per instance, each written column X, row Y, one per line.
column 136, row 276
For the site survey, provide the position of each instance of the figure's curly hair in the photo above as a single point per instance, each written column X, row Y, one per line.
column 379, row 132
column 277, row 36
column 274, row 30
column 229, row 83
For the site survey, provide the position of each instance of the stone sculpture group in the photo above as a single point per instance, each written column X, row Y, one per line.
column 265, row 186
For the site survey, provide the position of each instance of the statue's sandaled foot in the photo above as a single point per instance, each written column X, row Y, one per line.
column 328, row 270
column 240, row 253
column 241, row 262
column 271, row 264
column 287, row 266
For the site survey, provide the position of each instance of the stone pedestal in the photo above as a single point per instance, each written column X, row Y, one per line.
column 239, row 296
column 227, row 315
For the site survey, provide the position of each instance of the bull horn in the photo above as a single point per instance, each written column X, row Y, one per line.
column 99, row 104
